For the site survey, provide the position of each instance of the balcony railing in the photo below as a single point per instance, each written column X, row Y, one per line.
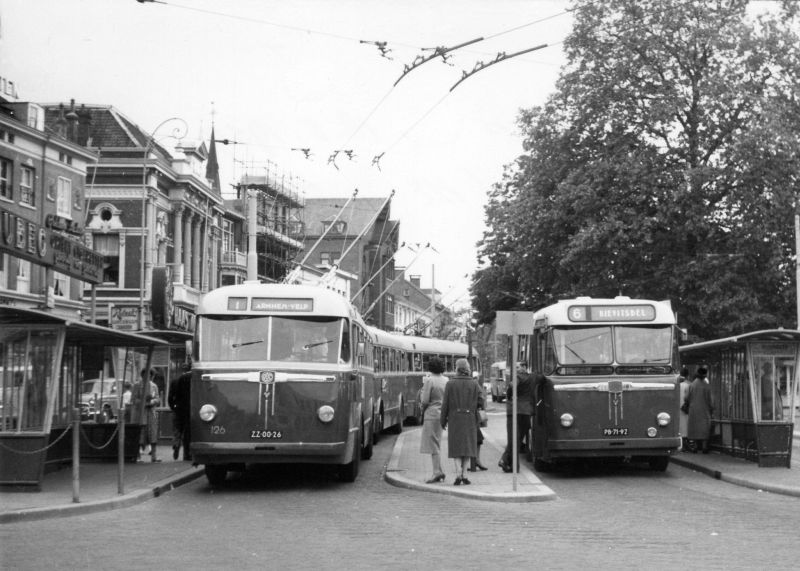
column 235, row 258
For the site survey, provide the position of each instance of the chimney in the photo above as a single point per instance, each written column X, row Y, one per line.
column 414, row 280
column 61, row 122
column 72, row 122
column 84, row 126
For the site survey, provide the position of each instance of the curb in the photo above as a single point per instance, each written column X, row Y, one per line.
column 393, row 476
column 736, row 480
column 124, row 501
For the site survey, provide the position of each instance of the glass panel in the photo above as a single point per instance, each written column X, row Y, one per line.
column 582, row 345
column 643, row 344
column 773, row 366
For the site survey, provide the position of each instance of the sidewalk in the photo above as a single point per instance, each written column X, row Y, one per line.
column 99, row 489
column 407, row 468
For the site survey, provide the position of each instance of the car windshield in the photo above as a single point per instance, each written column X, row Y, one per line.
column 272, row 338
column 96, row 387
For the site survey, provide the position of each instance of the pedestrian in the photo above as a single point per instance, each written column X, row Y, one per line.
column 525, row 403
column 701, row 407
column 147, row 391
column 475, row 463
column 683, row 419
column 460, row 413
column 179, row 402
column 127, row 397
column 431, row 397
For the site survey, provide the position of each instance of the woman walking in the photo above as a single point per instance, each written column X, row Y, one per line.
column 460, row 412
column 431, row 402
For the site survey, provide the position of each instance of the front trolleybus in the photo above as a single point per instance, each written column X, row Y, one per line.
column 610, row 385
column 282, row 374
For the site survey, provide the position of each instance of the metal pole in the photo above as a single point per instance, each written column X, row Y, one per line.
column 252, row 255
column 514, row 447
column 121, row 432
column 76, row 455
column 797, row 263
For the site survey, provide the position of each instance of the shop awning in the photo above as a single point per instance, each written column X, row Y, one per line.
column 79, row 331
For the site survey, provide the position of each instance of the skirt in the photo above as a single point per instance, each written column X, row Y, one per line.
column 430, row 441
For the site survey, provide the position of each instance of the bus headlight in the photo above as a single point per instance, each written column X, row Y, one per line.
column 325, row 413
column 208, row 412
column 567, row 420
column 663, row 418
column 652, row 432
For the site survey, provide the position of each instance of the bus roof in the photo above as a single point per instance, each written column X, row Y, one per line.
column 593, row 311
column 274, row 299
column 417, row 344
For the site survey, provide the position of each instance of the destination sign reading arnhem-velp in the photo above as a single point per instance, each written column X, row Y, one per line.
column 611, row 313
column 280, row 304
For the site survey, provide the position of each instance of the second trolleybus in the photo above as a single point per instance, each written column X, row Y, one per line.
column 610, row 381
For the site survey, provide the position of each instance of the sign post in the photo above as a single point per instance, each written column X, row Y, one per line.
column 514, row 323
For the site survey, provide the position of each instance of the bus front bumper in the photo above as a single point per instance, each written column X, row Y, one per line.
column 269, row 452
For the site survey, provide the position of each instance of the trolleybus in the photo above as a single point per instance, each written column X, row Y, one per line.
column 282, row 374
column 610, row 381
column 401, row 364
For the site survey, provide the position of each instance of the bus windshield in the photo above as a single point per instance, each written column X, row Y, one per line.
column 631, row 344
column 580, row 345
column 638, row 344
column 271, row 338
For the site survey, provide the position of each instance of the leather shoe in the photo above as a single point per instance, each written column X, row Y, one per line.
column 481, row 467
column 435, row 479
column 458, row 481
column 465, row 482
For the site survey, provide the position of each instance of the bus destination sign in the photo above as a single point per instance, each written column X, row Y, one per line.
column 612, row 313
column 282, row 304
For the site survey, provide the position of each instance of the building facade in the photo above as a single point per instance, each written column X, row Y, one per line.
column 361, row 240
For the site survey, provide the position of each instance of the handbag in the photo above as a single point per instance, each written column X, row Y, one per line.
column 484, row 419
column 685, row 407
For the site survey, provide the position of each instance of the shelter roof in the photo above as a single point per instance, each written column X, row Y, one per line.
column 86, row 333
column 753, row 336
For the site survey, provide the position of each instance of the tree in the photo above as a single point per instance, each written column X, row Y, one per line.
column 665, row 166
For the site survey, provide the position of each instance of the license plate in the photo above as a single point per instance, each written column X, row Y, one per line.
column 266, row 434
column 615, row 432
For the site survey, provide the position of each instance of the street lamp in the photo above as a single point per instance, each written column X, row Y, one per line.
column 178, row 133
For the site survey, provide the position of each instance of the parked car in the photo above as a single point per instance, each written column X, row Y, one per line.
column 99, row 397
column 499, row 378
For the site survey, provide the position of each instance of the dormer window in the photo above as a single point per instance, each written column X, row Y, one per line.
column 339, row 227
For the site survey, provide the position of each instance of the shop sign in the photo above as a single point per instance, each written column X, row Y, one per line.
column 183, row 319
column 28, row 240
column 124, row 317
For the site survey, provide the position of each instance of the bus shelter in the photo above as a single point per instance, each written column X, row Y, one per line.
column 44, row 358
column 754, row 380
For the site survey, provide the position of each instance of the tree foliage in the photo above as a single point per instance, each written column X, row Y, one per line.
column 664, row 166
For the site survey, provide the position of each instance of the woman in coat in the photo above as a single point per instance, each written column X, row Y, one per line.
column 431, row 401
column 701, row 407
column 460, row 416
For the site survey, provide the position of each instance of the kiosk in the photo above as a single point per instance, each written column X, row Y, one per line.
column 754, row 382
column 42, row 357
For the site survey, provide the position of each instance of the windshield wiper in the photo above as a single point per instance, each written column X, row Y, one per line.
column 254, row 342
column 571, row 350
column 310, row 345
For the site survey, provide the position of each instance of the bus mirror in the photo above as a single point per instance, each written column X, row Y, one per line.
column 360, row 349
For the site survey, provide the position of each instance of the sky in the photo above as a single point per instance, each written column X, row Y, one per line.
column 277, row 76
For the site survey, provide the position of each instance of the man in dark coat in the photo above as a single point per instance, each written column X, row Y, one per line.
column 179, row 403
column 525, row 403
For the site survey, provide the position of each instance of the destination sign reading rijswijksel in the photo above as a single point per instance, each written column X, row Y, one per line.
column 612, row 313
